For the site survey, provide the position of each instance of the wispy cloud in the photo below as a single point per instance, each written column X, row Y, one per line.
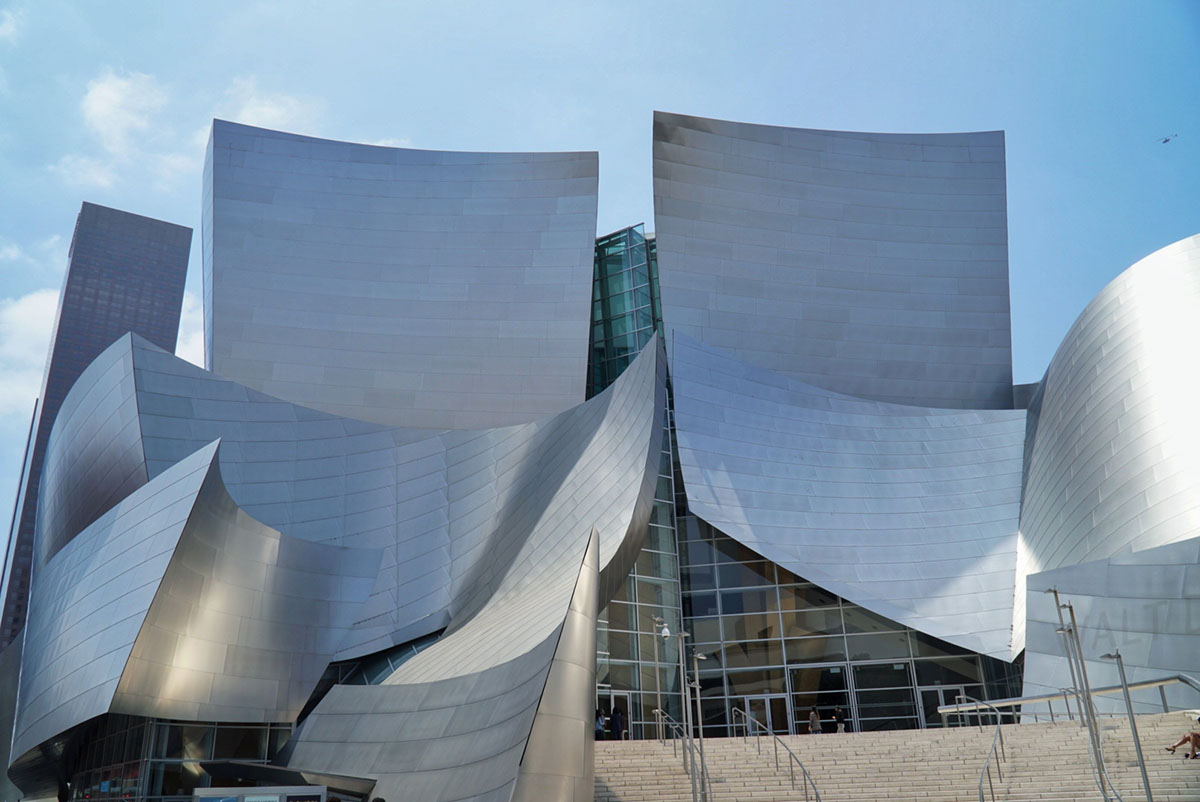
column 48, row 255
column 76, row 170
column 252, row 105
column 11, row 24
column 129, row 115
column 392, row 142
column 25, row 324
column 118, row 108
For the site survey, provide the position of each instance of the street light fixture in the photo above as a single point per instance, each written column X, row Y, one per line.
column 1116, row 655
column 666, row 633
column 696, row 658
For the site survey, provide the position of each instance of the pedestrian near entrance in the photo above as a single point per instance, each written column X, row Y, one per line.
column 814, row 722
column 600, row 722
column 839, row 718
column 618, row 724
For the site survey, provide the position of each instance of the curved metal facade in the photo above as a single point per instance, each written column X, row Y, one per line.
column 910, row 512
column 1114, row 452
column 417, row 288
column 1110, row 512
column 480, row 532
column 176, row 604
column 869, row 264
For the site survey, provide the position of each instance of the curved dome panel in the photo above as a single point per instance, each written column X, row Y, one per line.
column 1113, row 460
column 418, row 288
column 910, row 512
column 874, row 265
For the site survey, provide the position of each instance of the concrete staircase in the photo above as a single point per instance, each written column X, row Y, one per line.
column 1046, row 762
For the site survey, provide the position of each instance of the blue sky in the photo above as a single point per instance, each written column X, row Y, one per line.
column 110, row 102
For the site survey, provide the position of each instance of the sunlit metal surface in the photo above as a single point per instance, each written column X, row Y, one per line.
column 409, row 287
column 1114, row 450
column 869, row 264
column 1111, row 511
column 910, row 512
column 177, row 604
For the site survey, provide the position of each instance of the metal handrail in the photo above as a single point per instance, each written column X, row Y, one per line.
column 1180, row 679
column 687, row 752
column 747, row 720
column 997, row 737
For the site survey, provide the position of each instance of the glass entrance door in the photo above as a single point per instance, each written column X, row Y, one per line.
column 933, row 698
column 770, row 711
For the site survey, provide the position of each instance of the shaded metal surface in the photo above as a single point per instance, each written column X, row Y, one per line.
column 125, row 273
column 453, row 721
column 870, row 264
column 910, row 512
column 1146, row 603
column 407, row 287
column 176, row 604
column 558, row 762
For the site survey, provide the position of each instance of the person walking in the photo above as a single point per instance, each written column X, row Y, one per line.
column 839, row 718
column 814, row 722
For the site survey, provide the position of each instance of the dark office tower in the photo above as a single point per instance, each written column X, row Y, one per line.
column 125, row 273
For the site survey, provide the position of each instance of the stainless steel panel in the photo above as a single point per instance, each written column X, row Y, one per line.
column 416, row 288
column 869, row 264
column 911, row 512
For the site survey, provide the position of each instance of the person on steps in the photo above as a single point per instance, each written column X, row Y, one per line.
column 1192, row 738
column 839, row 718
column 814, row 722
column 600, row 722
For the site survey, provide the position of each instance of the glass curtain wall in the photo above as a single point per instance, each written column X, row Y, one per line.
column 128, row 757
column 779, row 647
column 625, row 314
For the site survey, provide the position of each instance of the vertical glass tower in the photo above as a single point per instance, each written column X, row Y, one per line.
column 626, row 313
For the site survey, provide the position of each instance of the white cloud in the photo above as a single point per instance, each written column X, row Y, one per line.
column 25, row 326
column 119, row 107
column 84, row 171
column 251, row 105
column 48, row 254
column 190, row 345
column 11, row 24
column 391, row 142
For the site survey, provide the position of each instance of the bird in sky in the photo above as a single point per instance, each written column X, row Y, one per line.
column 1167, row 139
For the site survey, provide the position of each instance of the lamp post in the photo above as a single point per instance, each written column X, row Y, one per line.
column 666, row 633
column 1086, row 706
column 1070, row 663
column 1116, row 655
column 696, row 658
column 687, row 715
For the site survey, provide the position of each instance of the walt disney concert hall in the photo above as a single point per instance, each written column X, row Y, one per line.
column 454, row 463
